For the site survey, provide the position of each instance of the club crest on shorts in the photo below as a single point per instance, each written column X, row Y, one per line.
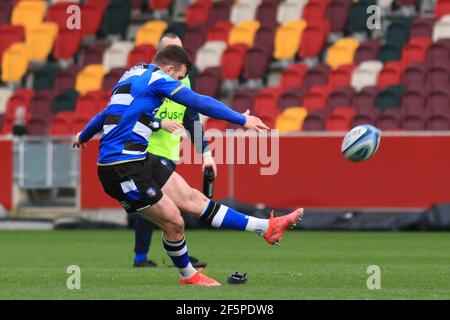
column 151, row 192
column 125, row 204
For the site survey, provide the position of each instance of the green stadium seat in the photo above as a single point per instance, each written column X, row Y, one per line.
column 391, row 97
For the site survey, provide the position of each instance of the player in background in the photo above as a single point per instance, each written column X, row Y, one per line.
column 166, row 144
column 139, row 181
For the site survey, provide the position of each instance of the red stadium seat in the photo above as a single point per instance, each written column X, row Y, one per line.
column 415, row 51
column 41, row 105
column 437, row 100
column 93, row 53
column 341, row 76
column 58, row 13
column 337, row 14
column 243, row 100
column 89, row 104
column 291, row 98
column 266, row 14
column 316, row 98
column 390, row 120
column 413, row 100
column 439, row 52
column 10, row 34
column 317, row 76
column 219, row 31
column 293, row 76
column 159, row 4
column 315, row 10
column 92, row 16
column 265, row 37
column 340, row 119
column 194, row 38
column 111, row 78
column 216, row 124
column 61, row 124
column 390, row 74
column 256, row 62
column 141, row 53
column 78, row 123
column 197, row 13
column 366, row 98
column 67, row 43
column 437, row 77
column 233, row 61
column 442, row 8
column 208, row 82
column 367, row 50
column 37, row 126
column 422, row 28
column 5, row 13
column 413, row 122
column 65, row 79
column 414, row 75
column 314, row 38
column 314, row 121
column 266, row 105
column 219, row 12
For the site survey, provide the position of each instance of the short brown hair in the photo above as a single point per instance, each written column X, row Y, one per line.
column 173, row 54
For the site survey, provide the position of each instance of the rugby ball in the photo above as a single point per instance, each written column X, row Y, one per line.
column 361, row 143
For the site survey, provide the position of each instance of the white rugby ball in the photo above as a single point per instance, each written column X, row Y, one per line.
column 361, row 143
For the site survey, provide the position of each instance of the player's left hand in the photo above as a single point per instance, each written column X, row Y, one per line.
column 77, row 143
column 208, row 161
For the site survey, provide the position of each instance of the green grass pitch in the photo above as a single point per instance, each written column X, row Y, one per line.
column 306, row 265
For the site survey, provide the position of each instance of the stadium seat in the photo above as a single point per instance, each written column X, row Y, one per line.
column 437, row 77
column 219, row 12
column 366, row 74
column 314, row 121
column 61, row 124
column 41, row 105
column 441, row 29
column 178, row 27
column 415, row 51
column 291, row 120
column 20, row 98
column 315, row 10
column 15, row 62
column 341, row 97
column 88, row 104
column 220, row 31
column 116, row 56
column 9, row 35
column 437, row 100
column 57, row 13
column 194, row 38
column 367, row 50
column 210, row 55
column 358, row 16
column 337, row 14
column 197, row 13
column 243, row 100
column 67, row 43
column 90, row 78
column 243, row 33
column 316, row 98
column 93, row 53
column 391, row 97
column 291, row 98
column 390, row 74
column 413, row 122
column 266, row 105
column 215, row 124
column 266, row 14
column 438, row 123
column 422, row 28
column 366, row 98
column 112, row 77
column 290, row 11
column 28, row 13
column 208, row 81
column 341, row 76
column 65, row 101
column 37, row 126
column 388, row 120
column 141, row 53
column 159, row 4
column 398, row 31
column 342, row 52
column 65, row 79
column 5, row 12
column 414, row 75
column 390, row 52
column 364, row 117
column 340, row 119
column 40, row 40
column 438, row 52
column 413, row 100
column 243, row 11
column 288, row 38
column 442, row 8
column 232, row 62
column 256, row 63
column 151, row 32
column 317, row 76
column 78, row 123
column 293, row 76
column 265, row 37
column 116, row 18
column 314, row 38
column 92, row 13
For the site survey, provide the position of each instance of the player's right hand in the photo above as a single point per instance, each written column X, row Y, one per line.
column 77, row 143
column 254, row 123
column 172, row 127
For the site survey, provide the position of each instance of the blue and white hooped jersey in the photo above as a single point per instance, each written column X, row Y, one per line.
column 127, row 120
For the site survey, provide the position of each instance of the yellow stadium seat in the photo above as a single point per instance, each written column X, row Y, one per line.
column 90, row 78
column 244, row 33
column 151, row 32
column 40, row 40
column 28, row 13
column 291, row 120
column 15, row 62
column 342, row 52
column 288, row 38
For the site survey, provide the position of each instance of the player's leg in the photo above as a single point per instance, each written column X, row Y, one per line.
column 223, row 217
column 143, row 231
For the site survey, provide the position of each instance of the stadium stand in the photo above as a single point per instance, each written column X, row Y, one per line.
column 317, row 59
